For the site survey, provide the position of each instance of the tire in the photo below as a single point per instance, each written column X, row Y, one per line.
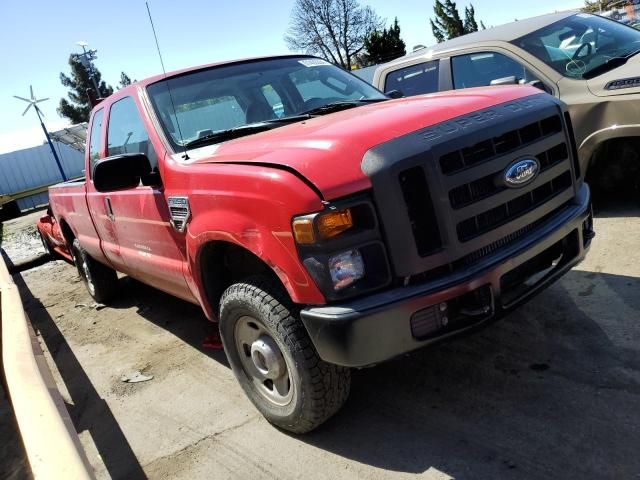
column 264, row 337
column 100, row 280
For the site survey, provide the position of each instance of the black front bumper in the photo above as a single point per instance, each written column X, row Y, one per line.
column 384, row 325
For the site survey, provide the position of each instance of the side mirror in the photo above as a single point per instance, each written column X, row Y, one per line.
column 120, row 172
column 394, row 94
column 540, row 85
column 512, row 80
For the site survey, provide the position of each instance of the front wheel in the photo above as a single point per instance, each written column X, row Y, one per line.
column 274, row 360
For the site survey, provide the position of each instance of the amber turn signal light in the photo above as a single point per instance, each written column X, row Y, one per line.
column 334, row 223
column 303, row 231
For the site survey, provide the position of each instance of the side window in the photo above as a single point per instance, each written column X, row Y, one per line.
column 480, row 69
column 273, row 99
column 94, row 140
column 126, row 132
column 414, row 80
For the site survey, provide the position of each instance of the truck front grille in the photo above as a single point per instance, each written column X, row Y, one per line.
column 488, row 185
column 422, row 216
column 450, row 181
column 505, row 212
column 501, row 144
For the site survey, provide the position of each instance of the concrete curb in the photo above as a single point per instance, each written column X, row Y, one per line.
column 51, row 442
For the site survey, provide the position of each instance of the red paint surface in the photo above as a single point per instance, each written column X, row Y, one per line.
column 238, row 196
column 50, row 231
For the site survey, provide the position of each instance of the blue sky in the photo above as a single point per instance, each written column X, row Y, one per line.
column 37, row 37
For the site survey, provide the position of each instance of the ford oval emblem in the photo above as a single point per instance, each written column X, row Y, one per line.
column 521, row 172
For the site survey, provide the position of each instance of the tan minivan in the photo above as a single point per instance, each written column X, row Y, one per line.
column 589, row 62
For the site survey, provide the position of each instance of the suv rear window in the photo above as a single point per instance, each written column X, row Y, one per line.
column 415, row 79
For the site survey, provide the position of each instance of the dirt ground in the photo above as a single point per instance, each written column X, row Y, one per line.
column 551, row 391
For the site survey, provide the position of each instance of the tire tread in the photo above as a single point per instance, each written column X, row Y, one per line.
column 330, row 384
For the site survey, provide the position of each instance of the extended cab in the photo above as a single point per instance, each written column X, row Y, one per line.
column 321, row 224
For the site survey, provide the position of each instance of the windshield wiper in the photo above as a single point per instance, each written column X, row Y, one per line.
column 237, row 132
column 231, row 133
column 608, row 65
column 344, row 105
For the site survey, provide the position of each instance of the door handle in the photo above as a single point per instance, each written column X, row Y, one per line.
column 107, row 206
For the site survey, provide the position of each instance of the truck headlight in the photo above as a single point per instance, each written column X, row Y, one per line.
column 346, row 268
column 341, row 248
column 323, row 226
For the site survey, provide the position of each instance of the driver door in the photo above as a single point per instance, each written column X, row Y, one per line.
column 151, row 249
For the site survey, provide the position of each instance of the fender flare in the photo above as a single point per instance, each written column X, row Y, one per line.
column 276, row 249
column 595, row 139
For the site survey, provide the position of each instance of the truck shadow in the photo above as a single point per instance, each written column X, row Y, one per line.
column 551, row 391
column 182, row 319
column 89, row 411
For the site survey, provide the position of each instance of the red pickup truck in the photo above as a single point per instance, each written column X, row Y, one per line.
column 322, row 224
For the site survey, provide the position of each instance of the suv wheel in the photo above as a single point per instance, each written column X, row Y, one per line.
column 274, row 360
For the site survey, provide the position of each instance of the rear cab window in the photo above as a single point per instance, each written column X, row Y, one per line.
column 415, row 79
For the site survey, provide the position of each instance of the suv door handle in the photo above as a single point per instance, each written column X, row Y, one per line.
column 107, row 206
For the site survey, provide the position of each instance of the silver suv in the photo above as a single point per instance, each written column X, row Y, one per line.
column 589, row 62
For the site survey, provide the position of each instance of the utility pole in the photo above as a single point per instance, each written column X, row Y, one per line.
column 86, row 59
column 33, row 103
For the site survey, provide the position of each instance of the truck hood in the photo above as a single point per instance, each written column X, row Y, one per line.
column 629, row 70
column 328, row 150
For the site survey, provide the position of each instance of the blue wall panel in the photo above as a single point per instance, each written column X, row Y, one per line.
column 36, row 167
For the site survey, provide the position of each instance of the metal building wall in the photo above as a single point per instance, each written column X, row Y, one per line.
column 36, row 167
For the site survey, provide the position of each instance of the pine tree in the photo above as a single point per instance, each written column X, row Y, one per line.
column 78, row 108
column 448, row 24
column 595, row 6
column 125, row 80
column 470, row 24
column 382, row 46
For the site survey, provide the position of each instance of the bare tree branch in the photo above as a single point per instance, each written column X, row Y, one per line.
column 332, row 29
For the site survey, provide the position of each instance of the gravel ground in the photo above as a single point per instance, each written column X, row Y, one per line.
column 551, row 391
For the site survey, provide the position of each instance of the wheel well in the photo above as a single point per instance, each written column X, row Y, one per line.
column 67, row 233
column 222, row 264
column 615, row 165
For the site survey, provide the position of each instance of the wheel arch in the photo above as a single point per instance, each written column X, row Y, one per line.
column 67, row 233
column 614, row 168
column 594, row 143
column 217, row 263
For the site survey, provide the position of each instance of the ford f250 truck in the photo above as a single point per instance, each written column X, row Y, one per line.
column 323, row 225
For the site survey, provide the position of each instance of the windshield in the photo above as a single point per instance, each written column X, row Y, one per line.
column 266, row 91
column 583, row 45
